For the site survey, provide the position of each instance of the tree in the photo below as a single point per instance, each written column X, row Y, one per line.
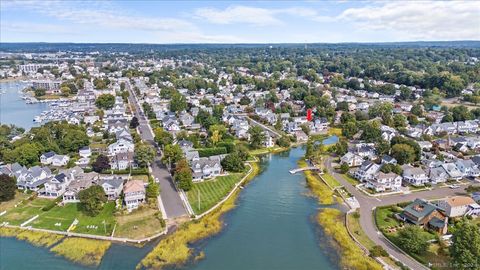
column 403, row 153
column 152, row 190
column 257, row 137
column 371, row 131
column 40, row 92
column 233, row 163
column 65, row 90
column 162, row 137
column 344, row 167
column 105, row 101
column 465, row 248
column 101, row 164
column 399, row 121
column 172, row 153
column 183, row 175
column 382, row 147
column 134, row 122
column 245, row 100
column 8, row 186
column 92, row 199
column 417, row 110
column 349, row 129
column 413, row 239
column 284, row 141
column 341, row 147
column 178, row 102
column 144, row 154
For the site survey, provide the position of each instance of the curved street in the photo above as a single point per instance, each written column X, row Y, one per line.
column 368, row 204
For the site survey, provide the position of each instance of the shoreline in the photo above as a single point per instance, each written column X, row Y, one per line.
column 175, row 249
column 333, row 223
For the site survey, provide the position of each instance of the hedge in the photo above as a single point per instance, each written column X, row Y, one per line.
column 207, row 152
column 230, row 146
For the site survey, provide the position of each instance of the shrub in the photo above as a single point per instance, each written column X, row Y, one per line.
column 207, row 152
column 378, row 251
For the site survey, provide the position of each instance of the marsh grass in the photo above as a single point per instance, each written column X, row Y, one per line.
column 318, row 188
column 39, row 239
column 82, row 250
column 175, row 250
column 352, row 256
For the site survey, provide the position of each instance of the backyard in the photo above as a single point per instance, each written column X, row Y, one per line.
column 143, row 222
column 61, row 217
column 205, row 195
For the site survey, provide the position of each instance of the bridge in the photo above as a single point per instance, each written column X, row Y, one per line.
column 304, row 169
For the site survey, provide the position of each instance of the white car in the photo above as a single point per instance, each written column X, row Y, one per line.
column 454, row 186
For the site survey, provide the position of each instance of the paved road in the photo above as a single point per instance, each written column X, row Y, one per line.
column 169, row 196
column 367, row 204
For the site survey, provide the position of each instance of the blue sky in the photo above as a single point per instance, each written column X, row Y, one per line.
column 237, row 21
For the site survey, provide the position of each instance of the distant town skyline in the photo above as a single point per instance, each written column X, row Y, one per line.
column 166, row 22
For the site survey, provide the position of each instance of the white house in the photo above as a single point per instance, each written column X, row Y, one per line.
column 206, row 167
column 453, row 172
column 467, row 167
column 60, row 160
column 385, row 181
column 46, row 158
column 456, row 206
column 367, row 171
column 353, row 160
column 414, row 175
column 120, row 146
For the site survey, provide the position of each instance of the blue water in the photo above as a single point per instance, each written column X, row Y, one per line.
column 14, row 110
column 330, row 140
column 272, row 227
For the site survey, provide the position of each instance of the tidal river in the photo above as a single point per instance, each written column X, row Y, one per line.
column 272, row 228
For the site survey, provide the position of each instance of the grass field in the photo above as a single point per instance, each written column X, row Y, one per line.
column 140, row 223
column 262, row 151
column 350, row 179
column 60, row 217
column 25, row 211
column 211, row 191
column 384, row 217
column 19, row 196
column 330, row 180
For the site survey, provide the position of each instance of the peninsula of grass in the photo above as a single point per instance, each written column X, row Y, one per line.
column 268, row 150
column 174, row 249
column 205, row 195
column 36, row 238
column 81, row 250
column 352, row 256
column 317, row 186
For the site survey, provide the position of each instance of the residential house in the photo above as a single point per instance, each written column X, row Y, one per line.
column 60, row 160
column 415, row 176
column 301, row 136
column 425, row 214
column 386, row 159
column 46, row 158
column 81, row 182
column 120, row 146
column 112, row 186
column 85, row 152
column 467, row 167
column 353, row 160
column 384, row 181
column 33, row 178
column 134, row 194
column 367, row 171
column 206, row 167
column 453, row 172
column 456, row 206
column 122, row 161
column 437, row 175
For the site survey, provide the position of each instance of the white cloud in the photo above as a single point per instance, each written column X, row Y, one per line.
column 422, row 20
column 253, row 15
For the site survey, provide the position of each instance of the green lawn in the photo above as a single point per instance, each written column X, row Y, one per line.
column 384, row 217
column 19, row 196
column 60, row 217
column 140, row 223
column 266, row 150
column 350, row 179
column 25, row 211
column 211, row 191
column 330, row 180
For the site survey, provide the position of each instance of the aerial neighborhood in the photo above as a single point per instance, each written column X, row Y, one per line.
column 139, row 139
